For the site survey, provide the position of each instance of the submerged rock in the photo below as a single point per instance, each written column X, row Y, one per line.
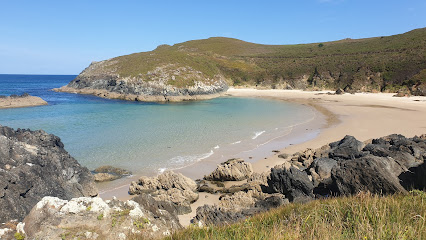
column 109, row 173
column 231, row 170
column 34, row 164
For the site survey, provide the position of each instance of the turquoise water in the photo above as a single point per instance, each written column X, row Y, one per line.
column 149, row 137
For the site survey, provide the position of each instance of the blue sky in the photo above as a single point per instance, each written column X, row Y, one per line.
column 63, row 37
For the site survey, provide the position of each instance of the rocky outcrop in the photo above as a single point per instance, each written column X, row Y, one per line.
column 347, row 148
column 370, row 173
column 93, row 218
column 215, row 215
column 18, row 101
column 34, row 164
column 168, row 82
column 231, row 170
column 109, row 173
column 168, row 186
column 293, row 183
column 381, row 166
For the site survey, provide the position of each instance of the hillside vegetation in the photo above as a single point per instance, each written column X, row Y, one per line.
column 373, row 64
column 363, row 216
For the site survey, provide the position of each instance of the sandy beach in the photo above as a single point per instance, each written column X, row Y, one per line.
column 362, row 115
column 18, row 102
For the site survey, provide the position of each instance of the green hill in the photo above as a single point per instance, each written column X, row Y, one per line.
column 373, row 64
column 381, row 63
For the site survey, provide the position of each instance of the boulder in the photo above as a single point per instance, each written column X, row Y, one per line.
column 370, row 173
column 93, row 218
column 168, row 186
column 339, row 91
column 231, row 170
column 292, row 182
column 414, row 178
column 34, row 164
column 321, row 169
column 164, row 181
column 347, row 148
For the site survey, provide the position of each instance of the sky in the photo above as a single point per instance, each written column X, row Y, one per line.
column 64, row 37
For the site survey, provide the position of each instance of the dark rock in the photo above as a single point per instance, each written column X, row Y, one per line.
column 34, row 164
column 323, row 166
column 371, row 173
column 206, row 188
column 414, row 178
column 321, row 170
column 379, row 150
column 419, row 89
column 273, row 201
column 283, row 155
column 218, row 216
column 347, row 148
column 293, row 183
column 339, row 91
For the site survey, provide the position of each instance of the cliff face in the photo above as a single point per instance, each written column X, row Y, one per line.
column 34, row 164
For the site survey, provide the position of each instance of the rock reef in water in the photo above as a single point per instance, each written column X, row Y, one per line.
column 24, row 100
column 109, row 173
column 34, row 164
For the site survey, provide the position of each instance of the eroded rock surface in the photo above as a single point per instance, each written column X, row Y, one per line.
column 93, row 218
column 168, row 186
column 231, row 170
column 34, row 164
column 293, row 183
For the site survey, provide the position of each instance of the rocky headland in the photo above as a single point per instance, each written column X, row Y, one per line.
column 165, row 83
column 203, row 69
column 387, row 165
column 18, row 101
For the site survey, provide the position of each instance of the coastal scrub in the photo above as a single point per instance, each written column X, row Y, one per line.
column 363, row 216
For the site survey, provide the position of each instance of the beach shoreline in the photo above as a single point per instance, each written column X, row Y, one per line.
column 362, row 115
column 299, row 132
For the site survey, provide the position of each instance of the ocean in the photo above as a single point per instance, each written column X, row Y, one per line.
column 148, row 138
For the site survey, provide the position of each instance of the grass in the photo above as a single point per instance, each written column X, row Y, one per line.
column 363, row 216
column 380, row 63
